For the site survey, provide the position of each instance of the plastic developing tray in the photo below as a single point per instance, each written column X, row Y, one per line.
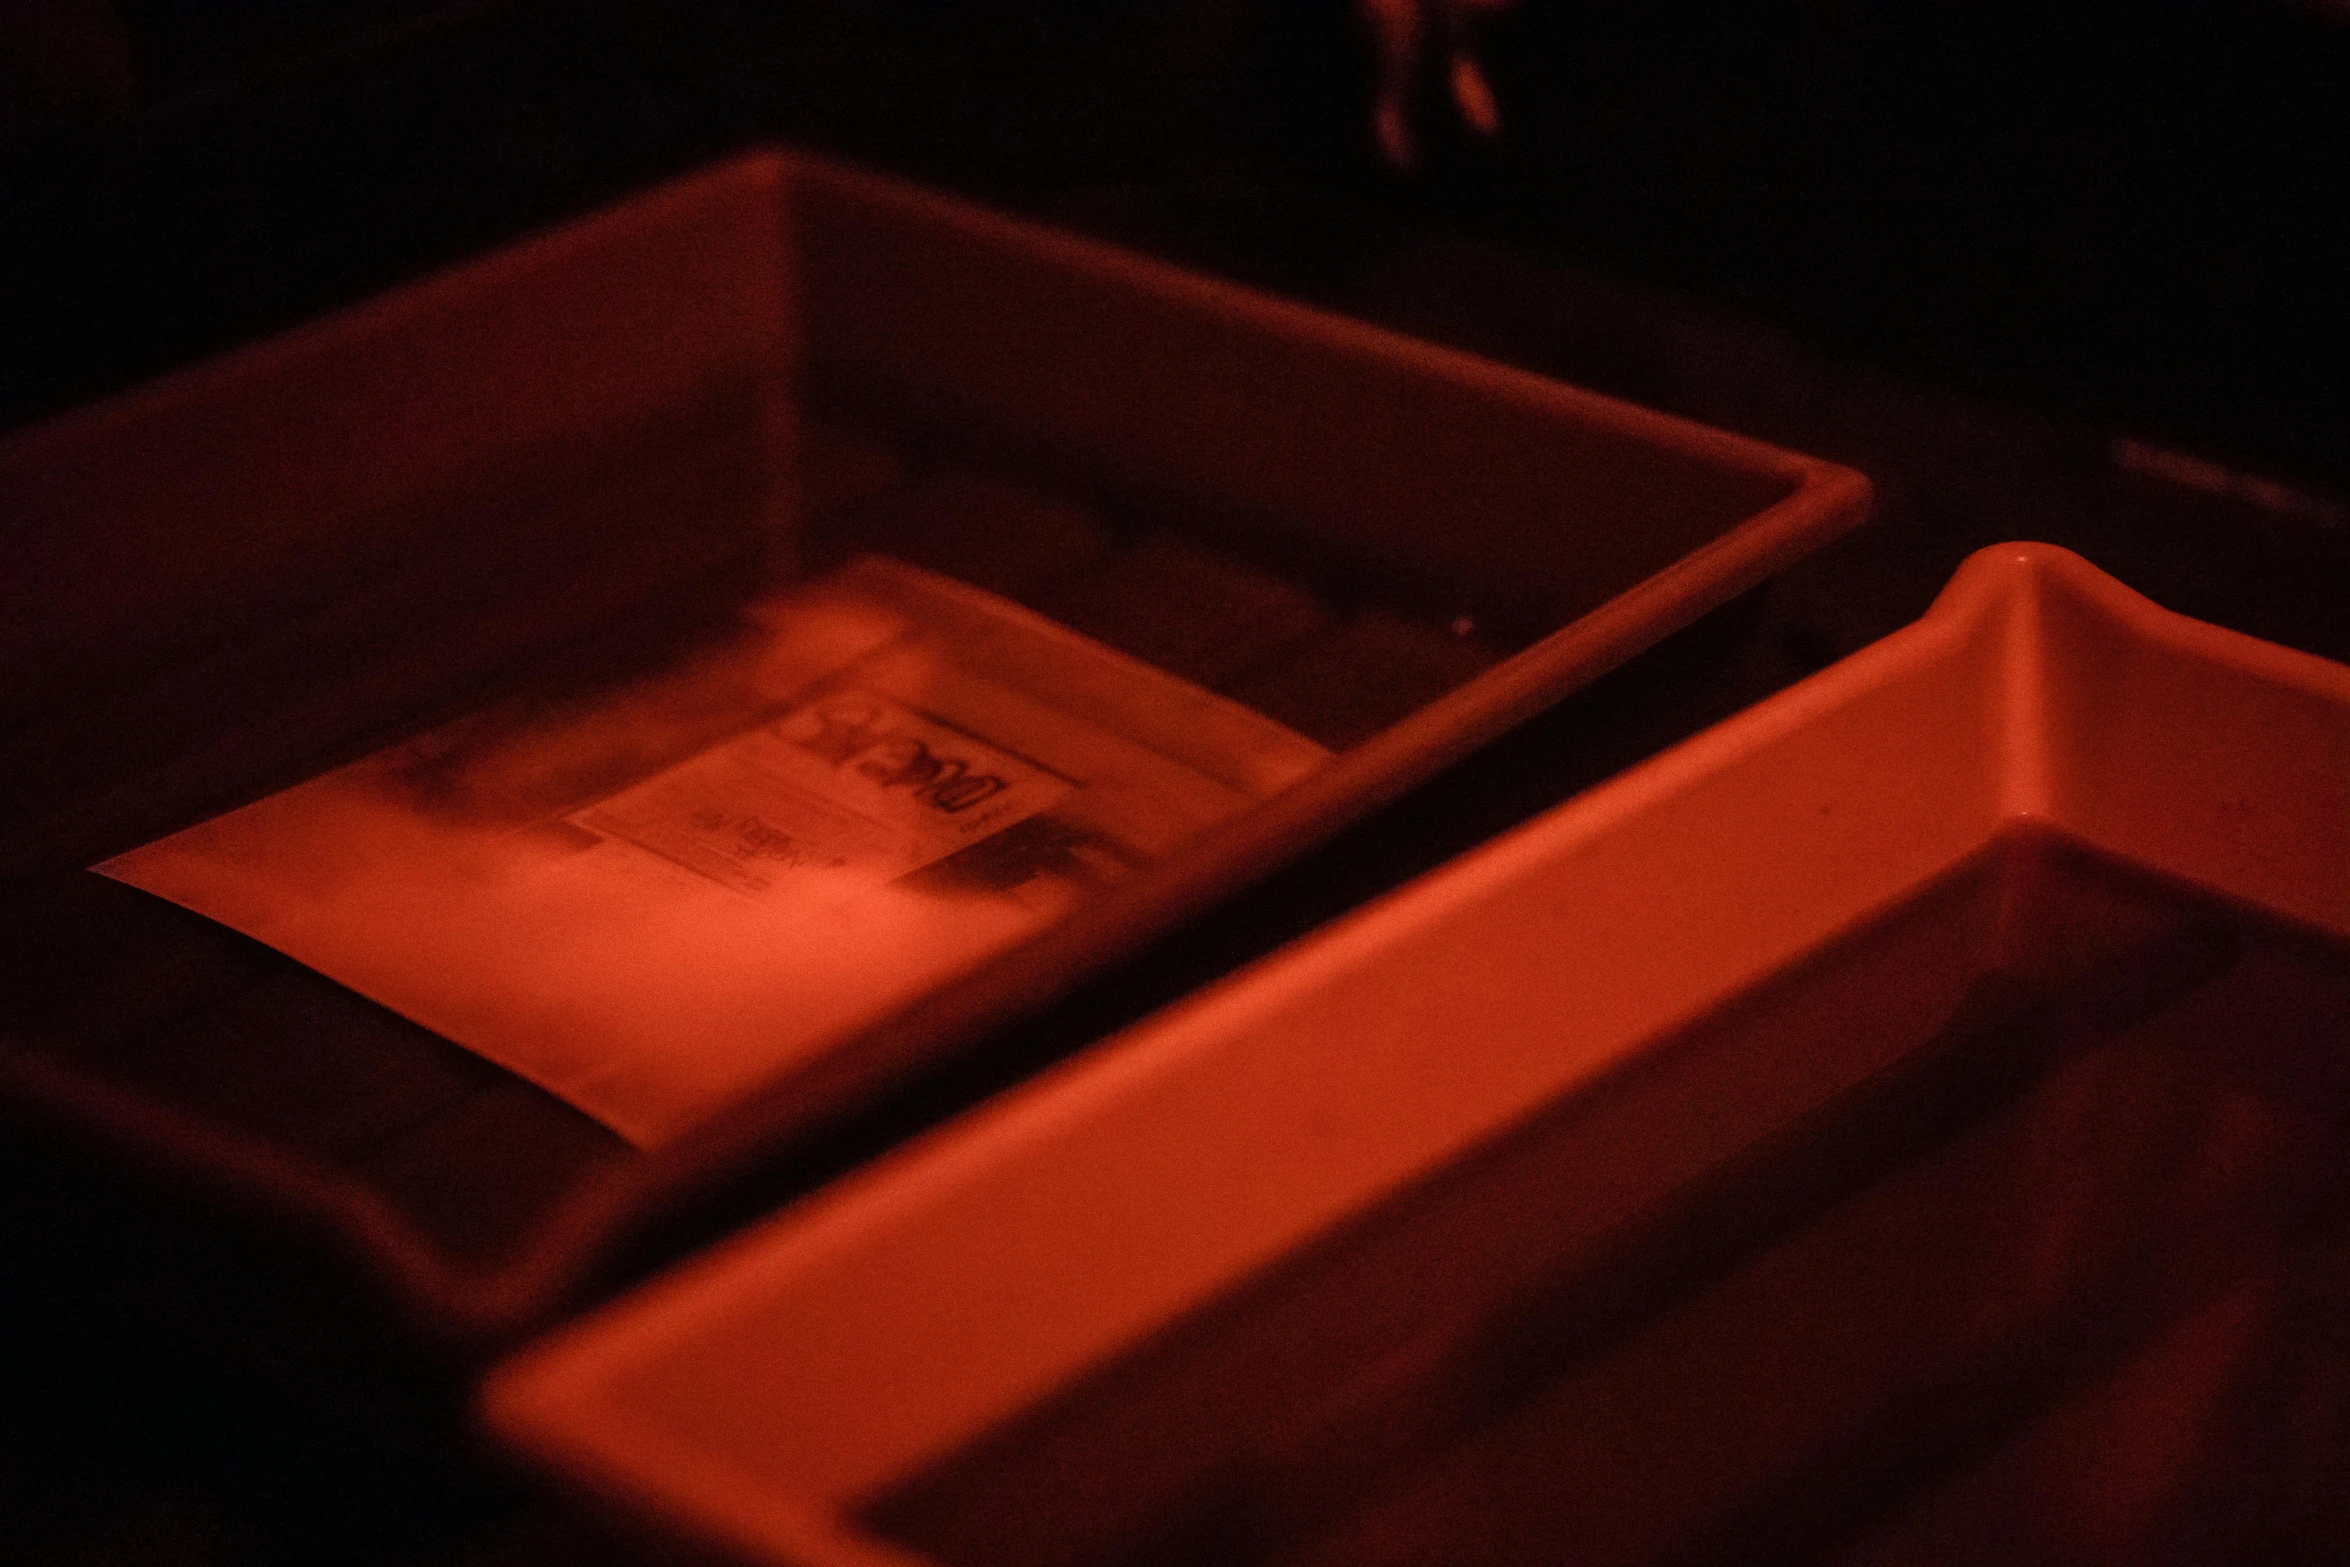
column 581, row 453
column 1901, row 1123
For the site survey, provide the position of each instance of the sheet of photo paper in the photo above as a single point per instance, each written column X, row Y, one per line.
column 653, row 897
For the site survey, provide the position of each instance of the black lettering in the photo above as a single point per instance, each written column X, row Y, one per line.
column 962, row 793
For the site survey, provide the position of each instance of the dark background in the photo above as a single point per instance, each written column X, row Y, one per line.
column 2073, row 270
column 2131, row 216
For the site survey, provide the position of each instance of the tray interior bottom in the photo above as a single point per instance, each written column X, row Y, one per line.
column 1335, row 659
column 147, row 997
column 2060, row 1284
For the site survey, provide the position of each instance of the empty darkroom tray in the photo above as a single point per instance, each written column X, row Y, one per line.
column 572, row 455
column 1901, row 1123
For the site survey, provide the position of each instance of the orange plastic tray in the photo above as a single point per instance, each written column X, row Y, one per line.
column 219, row 584
column 1901, row 1113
